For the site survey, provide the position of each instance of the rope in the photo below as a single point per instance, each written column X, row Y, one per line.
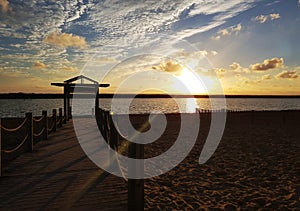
column 38, row 120
column 15, row 149
column 40, row 133
column 51, row 128
column 59, row 121
column 14, row 129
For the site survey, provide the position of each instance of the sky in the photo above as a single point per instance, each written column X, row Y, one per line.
column 245, row 47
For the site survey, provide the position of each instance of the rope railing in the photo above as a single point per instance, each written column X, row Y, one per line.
column 38, row 120
column 50, row 129
column 14, row 129
column 136, row 151
column 39, row 134
column 200, row 110
column 16, row 148
column 30, row 124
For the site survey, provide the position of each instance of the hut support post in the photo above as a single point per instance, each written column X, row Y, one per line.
column 70, row 111
column 97, row 96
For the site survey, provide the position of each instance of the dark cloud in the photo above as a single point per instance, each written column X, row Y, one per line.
column 287, row 75
column 268, row 64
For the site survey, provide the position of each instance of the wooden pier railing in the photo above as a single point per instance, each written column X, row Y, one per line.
column 136, row 151
column 19, row 135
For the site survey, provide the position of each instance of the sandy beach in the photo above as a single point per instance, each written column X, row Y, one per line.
column 256, row 167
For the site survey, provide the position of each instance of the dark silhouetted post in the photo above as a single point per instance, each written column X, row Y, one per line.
column 136, row 186
column 0, row 149
column 65, row 105
column 70, row 112
column 54, row 120
column 29, row 124
column 60, row 116
column 45, row 125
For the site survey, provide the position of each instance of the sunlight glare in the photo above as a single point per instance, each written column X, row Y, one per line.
column 189, row 79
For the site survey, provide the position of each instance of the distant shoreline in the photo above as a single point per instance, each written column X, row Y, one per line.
column 61, row 96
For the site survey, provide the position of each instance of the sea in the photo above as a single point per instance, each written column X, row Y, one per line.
column 18, row 107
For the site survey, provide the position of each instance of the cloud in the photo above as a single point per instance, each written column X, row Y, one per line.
column 65, row 40
column 287, row 75
column 214, row 53
column 69, row 69
column 274, row 16
column 266, row 77
column 228, row 31
column 220, row 72
column 4, row 5
column 261, row 18
column 39, row 65
column 265, row 18
column 268, row 64
column 235, row 66
column 169, row 66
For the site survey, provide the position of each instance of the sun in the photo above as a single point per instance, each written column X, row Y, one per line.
column 191, row 82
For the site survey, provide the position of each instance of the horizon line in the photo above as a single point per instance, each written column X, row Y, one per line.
column 22, row 95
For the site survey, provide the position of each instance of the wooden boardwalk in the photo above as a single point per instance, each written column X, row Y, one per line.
column 58, row 175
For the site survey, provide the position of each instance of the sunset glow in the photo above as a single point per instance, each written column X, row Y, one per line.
column 192, row 83
column 250, row 50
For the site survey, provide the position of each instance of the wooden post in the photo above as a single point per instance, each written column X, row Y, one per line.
column 97, row 96
column 54, row 120
column 45, row 124
column 60, row 116
column 68, row 103
column 136, row 186
column 65, row 104
column 0, row 150
column 29, row 124
column 283, row 119
column 70, row 112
